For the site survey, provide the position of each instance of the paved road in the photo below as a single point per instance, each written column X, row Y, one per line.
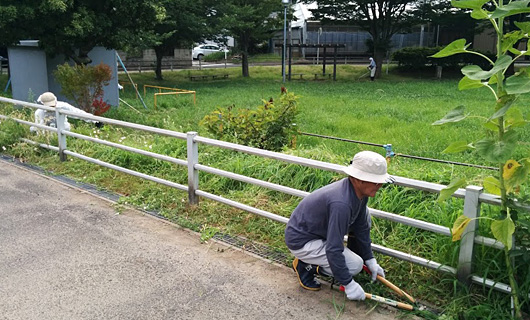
column 66, row 254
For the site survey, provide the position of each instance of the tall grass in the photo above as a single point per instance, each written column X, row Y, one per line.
column 392, row 110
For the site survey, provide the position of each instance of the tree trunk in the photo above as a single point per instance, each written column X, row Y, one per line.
column 244, row 40
column 158, row 69
column 379, row 58
column 244, row 64
column 80, row 58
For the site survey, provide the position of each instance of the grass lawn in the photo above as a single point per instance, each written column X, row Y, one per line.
column 395, row 110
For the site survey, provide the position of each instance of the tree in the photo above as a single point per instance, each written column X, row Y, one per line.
column 248, row 21
column 381, row 18
column 454, row 22
column 184, row 24
column 74, row 27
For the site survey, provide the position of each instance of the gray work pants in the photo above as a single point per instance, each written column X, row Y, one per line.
column 314, row 252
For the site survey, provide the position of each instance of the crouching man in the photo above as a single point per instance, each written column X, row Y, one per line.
column 315, row 232
column 47, row 118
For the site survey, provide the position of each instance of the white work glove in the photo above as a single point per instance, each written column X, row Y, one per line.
column 354, row 291
column 374, row 268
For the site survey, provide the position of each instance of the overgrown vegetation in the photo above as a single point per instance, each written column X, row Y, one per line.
column 270, row 126
column 10, row 132
column 393, row 110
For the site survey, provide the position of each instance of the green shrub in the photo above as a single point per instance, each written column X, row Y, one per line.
column 10, row 132
column 420, row 58
column 216, row 56
column 270, row 126
column 84, row 85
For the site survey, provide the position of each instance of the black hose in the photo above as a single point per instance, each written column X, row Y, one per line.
column 399, row 154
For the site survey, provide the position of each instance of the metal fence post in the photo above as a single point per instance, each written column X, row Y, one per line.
column 471, row 210
column 193, row 174
column 61, row 138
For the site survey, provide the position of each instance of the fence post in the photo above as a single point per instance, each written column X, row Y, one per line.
column 471, row 210
column 61, row 138
column 193, row 174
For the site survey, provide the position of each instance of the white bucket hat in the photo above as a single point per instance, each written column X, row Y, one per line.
column 369, row 166
column 48, row 99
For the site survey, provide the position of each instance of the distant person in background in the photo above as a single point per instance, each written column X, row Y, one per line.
column 372, row 67
column 47, row 118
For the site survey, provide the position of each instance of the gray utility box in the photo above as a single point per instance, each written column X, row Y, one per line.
column 32, row 72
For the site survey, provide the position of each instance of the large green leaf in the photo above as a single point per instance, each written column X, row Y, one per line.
column 467, row 83
column 510, row 39
column 515, row 51
column 477, row 13
column 480, row 14
column 519, row 82
column 459, row 226
column 448, row 191
column 457, row 46
column 492, row 126
column 513, row 8
column 497, row 151
column 503, row 103
column 492, row 185
column 524, row 26
column 455, row 115
column 474, row 72
column 469, row 4
column 514, row 118
column 457, row 146
column 493, row 79
column 503, row 231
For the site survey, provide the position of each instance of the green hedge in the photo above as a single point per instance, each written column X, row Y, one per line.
column 216, row 56
column 419, row 58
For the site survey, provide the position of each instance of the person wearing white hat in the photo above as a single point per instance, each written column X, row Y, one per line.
column 315, row 232
column 47, row 118
column 372, row 67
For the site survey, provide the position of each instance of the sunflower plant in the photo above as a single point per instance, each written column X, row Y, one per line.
column 501, row 127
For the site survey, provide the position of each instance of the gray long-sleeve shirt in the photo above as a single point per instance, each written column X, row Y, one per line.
column 330, row 213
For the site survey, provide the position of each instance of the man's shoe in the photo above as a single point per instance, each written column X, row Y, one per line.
column 306, row 275
column 322, row 273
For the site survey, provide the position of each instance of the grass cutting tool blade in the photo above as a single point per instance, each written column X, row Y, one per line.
column 417, row 304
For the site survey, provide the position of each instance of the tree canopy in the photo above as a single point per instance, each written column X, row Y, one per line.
column 248, row 21
column 184, row 24
column 74, row 27
column 381, row 18
column 455, row 22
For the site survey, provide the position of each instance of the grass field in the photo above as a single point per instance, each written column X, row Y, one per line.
column 396, row 109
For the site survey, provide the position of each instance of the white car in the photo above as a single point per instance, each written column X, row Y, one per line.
column 3, row 61
column 205, row 49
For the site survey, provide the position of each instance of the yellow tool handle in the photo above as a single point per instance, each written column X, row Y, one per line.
column 396, row 289
column 390, row 302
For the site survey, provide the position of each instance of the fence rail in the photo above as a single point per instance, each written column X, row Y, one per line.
column 473, row 196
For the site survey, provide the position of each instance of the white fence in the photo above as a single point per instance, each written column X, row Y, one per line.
column 472, row 195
